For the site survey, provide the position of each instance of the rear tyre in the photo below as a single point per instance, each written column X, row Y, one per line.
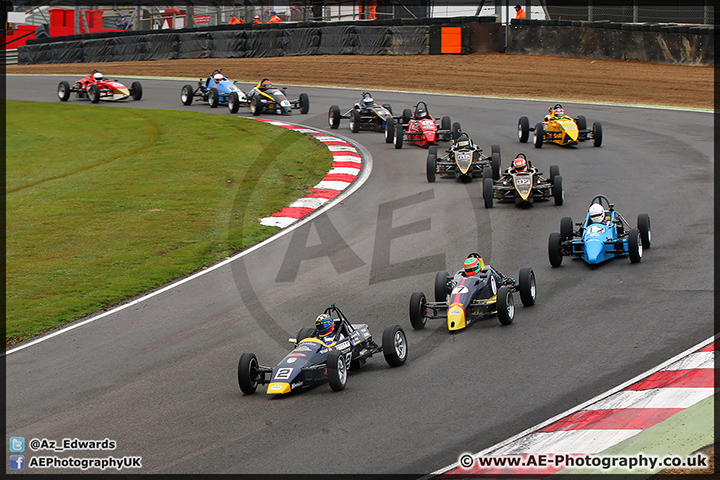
column 94, row 93
column 597, row 134
column 441, row 286
column 399, row 133
column 305, row 332
column 558, row 192
column 505, row 305
column 136, row 90
column 488, row 192
column 554, row 172
column 334, row 117
column 526, row 281
column 455, row 131
column 539, row 135
column 394, row 345
column 431, row 165
column 389, row 130
column 445, row 123
column 337, row 370
column 566, row 228
column 523, row 129
column 304, row 102
column 407, row 115
column 247, row 368
column 186, row 94
column 387, row 107
column 496, row 166
column 635, row 248
column 234, row 102
column 418, row 310
column 354, row 121
column 643, row 224
column 581, row 122
column 487, row 173
column 213, row 98
column 554, row 250
column 63, row 91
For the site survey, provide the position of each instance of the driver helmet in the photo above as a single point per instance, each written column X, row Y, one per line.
column 218, row 77
column 559, row 111
column 98, row 77
column 473, row 264
column 367, row 101
column 266, row 84
column 324, row 324
column 420, row 113
column 520, row 164
column 597, row 212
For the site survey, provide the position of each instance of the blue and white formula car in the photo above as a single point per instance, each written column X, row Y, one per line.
column 216, row 90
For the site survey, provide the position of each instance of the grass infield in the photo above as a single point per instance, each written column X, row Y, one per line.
column 104, row 203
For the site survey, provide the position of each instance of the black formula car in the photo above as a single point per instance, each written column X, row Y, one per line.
column 524, row 188
column 266, row 98
column 313, row 361
column 463, row 159
column 364, row 115
column 463, row 299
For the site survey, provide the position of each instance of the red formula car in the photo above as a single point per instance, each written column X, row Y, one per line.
column 420, row 128
column 96, row 87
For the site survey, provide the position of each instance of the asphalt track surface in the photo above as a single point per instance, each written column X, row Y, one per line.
column 160, row 376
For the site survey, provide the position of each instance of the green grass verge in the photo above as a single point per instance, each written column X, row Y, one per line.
column 106, row 203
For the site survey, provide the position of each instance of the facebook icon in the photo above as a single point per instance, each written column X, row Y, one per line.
column 17, row 462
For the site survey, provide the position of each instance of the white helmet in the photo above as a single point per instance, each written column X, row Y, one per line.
column 597, row 212
column 218, row 77
column 98, row 77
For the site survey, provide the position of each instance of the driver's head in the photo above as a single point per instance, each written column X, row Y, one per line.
column 266, row 84
column 597, row 212
column 520, row 164
column 98, row 77
column 420, row 113
column 218, row 77
column 473, row 264
column 324, row 324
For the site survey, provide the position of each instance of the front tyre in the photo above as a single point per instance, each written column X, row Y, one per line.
column 643, row 224
column 94, row 93
column 354, row 121
column 431, row 166
column 213, row 98
column 389, row 130
column 527, row 288
column 399, row 134
column 136, row 90
column 555, row 250
column 566, row 228
column 394, row 345
column 234, row 102
column 505, row 305
column 186, row 94
column 455, row 131
column 554, row 172
column 597, row 134
column 418, row 310
column 488, row 192
column 495, row 165
column 255, row 107
column 441, row 287
column 337, row 370
column 558, row 192
column 334, row 117
column 63, row 91
column 523, row 129
column 247, row 368
column 305, row 332
column 304, row 102
column 539, row 135
column 635, row 248
column 445, row 123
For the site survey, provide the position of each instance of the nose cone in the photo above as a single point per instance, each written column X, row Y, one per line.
column 571, row 131
column 456, row 317
column 429, row 137
column 594, row 251
column 122, row 91
column 278, row 388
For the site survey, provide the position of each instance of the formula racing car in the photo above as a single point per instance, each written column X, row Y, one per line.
column 365, row 115
column 96, row 87
column 420, row 128
column 560, row 129
column 313, row 361
column 216, row 90
column 463, row 159
column 524, row 184
column 265, row 97
column 466, row 297
column 603, row 235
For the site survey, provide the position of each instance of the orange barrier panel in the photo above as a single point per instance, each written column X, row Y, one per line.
column 451, row 40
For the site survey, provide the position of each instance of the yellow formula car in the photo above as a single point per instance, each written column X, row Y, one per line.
column 561, row 129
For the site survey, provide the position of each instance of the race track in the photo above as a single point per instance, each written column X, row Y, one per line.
column 160, row 376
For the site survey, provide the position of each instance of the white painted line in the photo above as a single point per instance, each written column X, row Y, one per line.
column 344, row 170
column 341, row 148
column 347, row 158
column 570, row 441
column 332, row 185
column 696, row 360
column 308, row 202
column 281, row 222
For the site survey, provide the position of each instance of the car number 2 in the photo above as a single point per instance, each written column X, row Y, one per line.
column 283, row 373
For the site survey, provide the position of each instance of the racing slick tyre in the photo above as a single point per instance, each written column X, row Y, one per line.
column 389, row 130
column 186, row 94
column 399, row 133
column 418, row 308
column 431, row 164
column 354, row 121
column 234, row 102
column 635, row 248
column 334, row 117
column 643, row 224
column 539, row 135
column 554, row 172
column 488, row 192
column 495, row 165
column 387, row 107
column 505, row 305
column 581, row 122
column 487, row 173
column 523, row 129
column 445, row 123
column 566, row 228
column 554, row 250
column 441, row 286
column 304, row 102
column 407, row 115
column 337, row 370
column 597, row 134
column 94, row 93
column 526, row 281
column 255, row 107
column 136, row 90
column 394, row 345
column 213, row 98
column 305, row 332
column 63, row 91
column 455, row 131
column 246, row 373
column 558, row 192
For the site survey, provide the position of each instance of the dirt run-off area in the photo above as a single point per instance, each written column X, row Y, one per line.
column 489, row 74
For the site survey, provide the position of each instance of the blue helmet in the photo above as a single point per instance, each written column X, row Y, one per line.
column 324, row 324
column 367, row 101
